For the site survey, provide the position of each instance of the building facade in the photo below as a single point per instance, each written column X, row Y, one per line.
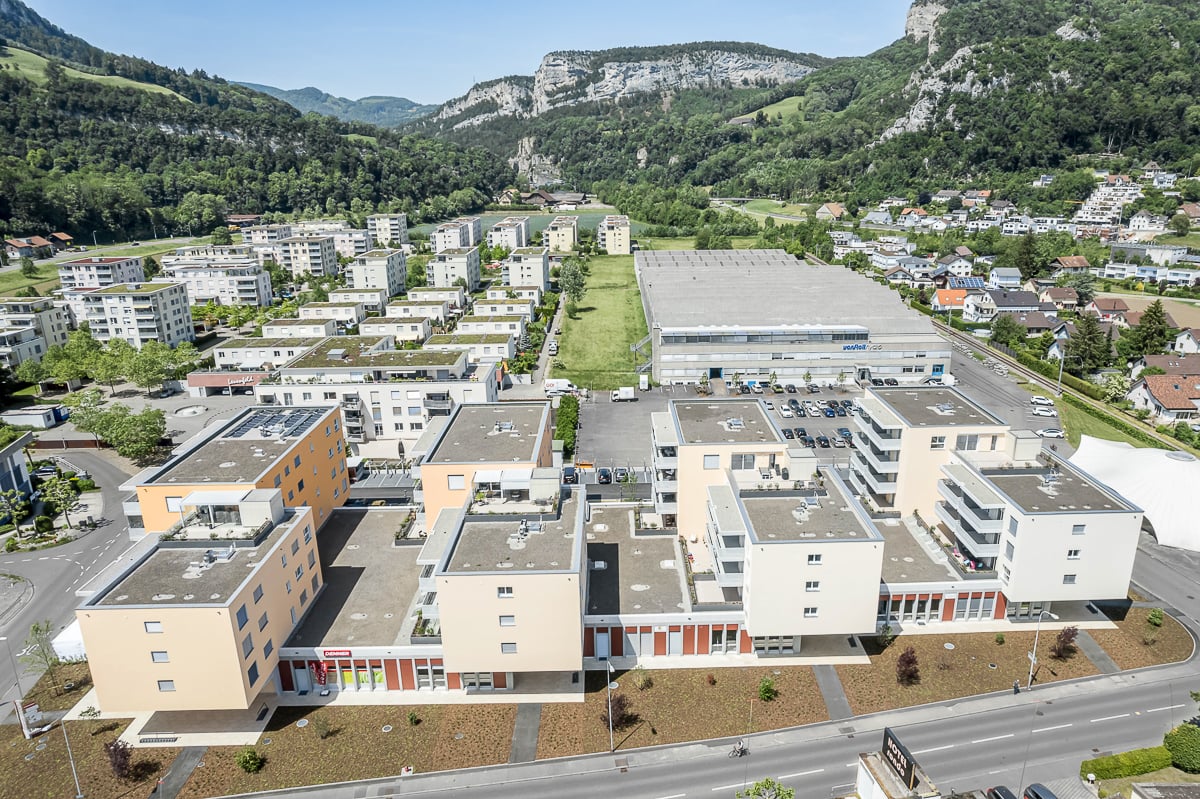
column 388, row 229
column 379, row 269
column 139, row 312
column 100, row 272
column 450, row 266
column 529, row 266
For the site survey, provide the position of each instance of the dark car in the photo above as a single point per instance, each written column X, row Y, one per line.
column 829, row 413
column 794, row 404
column 845, row 433
column 570, row 476
column 788, row 434
column 744, row 389
column 875, row 381
column 809, row 442
column 847, row 404
column 813, row 388
column 840, row 411
column 800, row 411
column 1035, row 790
column 823, row 442
column 801, row 433
column 1000, row 792
column 604, row 476
column 621, row 474
column 891, row 381
column 831, row 403
column 789, row 388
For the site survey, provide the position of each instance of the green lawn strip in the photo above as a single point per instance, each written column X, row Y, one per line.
column 1075, row 422
column 594, row 346
column 33, row 67
column 775, row 207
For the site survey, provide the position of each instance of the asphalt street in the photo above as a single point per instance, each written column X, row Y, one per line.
column 54, row 575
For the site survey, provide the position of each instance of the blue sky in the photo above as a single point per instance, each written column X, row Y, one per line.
column 433, row 51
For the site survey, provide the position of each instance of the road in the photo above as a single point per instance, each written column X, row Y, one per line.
column 55, row 574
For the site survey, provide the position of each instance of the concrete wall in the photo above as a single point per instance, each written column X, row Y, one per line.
column 921, row 467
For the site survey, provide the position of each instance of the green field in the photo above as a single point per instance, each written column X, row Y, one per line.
column 538, row 220
column 12, row 281
column 594, row 346
column 1075, row 422
column 789, row 107
column 689, row 243
column 358, row 138
column 1191, row 240
column 770, row 207
column 33, row 67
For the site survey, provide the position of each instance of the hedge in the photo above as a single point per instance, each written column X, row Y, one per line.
column 567, row 421
column 1127, row 764
column 1049, row 370
column 1184, row 745
column 1126, row 428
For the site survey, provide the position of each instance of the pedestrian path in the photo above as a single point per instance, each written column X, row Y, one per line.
column 836, row 703
column 172, row 782
column 1100, row 659
column 525, row 733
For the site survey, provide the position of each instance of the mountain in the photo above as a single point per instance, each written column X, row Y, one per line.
column 387, row 112
column 93, row 141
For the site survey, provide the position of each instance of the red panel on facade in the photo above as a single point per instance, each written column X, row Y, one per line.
column 285, row 676
column 674, row 628
column 647, row 629
column 435, row 661
column 948, row 609
column 703, row 640
column 391, row 674
column 660, row 643
column 616, row 641
column 689, row 640
column 407, row 680
column 589, row 642
column 499, row 679
column 454, row 680
column 360, row 664
column 1001, row 606
column 747, row 646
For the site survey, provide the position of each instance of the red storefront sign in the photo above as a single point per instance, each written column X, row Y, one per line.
column 335, row 653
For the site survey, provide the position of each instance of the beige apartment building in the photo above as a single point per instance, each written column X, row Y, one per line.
column 529, row 266
column 561, row 234
column 372, row 300
column 450, row 266
column 613, row 235
column 379, row 269
column 299, row 328
column 313, row 255
column 386, row 229
column 511, row 233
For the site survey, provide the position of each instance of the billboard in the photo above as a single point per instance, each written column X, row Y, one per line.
column 899, row 758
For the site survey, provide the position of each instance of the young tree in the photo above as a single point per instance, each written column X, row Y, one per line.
column 1084, row 284
column 908, row 671
column 120, row 758
column 767, row 788
column 147, row 367
column 39, row 650
column 109, row 365
column 13, row 505
column 1064, row 643
column 1007, row 330
column 62, row 366
column 59, row 492
column 622, row 714
column 1180, row 225
column 134, row 435
column 571, row 283
column 1153, row 332
column 31, row 371
column 1116, row 386
column 28, row 267
column 221, row 236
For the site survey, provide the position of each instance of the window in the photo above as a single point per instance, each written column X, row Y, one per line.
column 295, row 546
column 299, row 572
column 1006, row 573
column 312, row 558
column 300, row 486
column 810, row 613
column 967, row 442
column 283, row 560
column 1072, row 554
column 456, row 482
column 242, row 617
column 303, row 597
column 286, row 470
column 508, row 621
column 508, row 649
column 152, row 626
column 268, row 648
column 315, row 583
column 166, row 686
column 712, row 461
column 1078, row 529
column 291, row 495
column 504, row 592
column 1012, row 525
column 288, row 585
column 1068, row 579
column 937, row 442
column 159, row 657
column 247, row 645
column 252, row 673
column 174, row 504
column 307, row 534
column 1009, row 549
column 262, row 622
column 258, row 593
column 296, row 461
column 743, row 461
column 814, row 560
column 812, row 585
column 278, row 481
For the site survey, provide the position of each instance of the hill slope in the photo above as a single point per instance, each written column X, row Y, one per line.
column 123, row 158
column 388, row 112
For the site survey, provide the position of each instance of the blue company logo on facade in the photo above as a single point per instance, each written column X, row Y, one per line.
column 853, row 347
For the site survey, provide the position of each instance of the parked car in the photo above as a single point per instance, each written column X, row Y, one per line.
column 604, row 476
column 570, row 476
column 1043, row 411
column 838, row 443
column 891, row 381
column 847, row 404
column 813, row 388
column 845, row 433
column 785, row 412
column 789, row 388
column 787, row 433
column 770, row 406
column 831, row 403
column 1000, row 792
column 875, row 381
column 823, row 442
column 757, row 388
column 800, row 411
column 1051, row 432
column 801, row 433
column 809, row 442
column 840, row 411
column 777, row 388
column 744, row 389
column 829, row 413
column 1039, row 400
column 621, row 474
column 794, row 404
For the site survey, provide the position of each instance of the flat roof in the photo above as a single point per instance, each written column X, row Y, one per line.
column 722, row 421
column 473, row 319
column 98, row 260
column 906, row 560
column 432, row 289
column 455, row 251
column 174, row 576
column 289, row 322
column 1054, row 490
column 533, row 544
column 331, row 305
column 241, row 450
column 468, row 338
column 715, row 289
column 639, row 575
column 819, row 516
column 934, row 406
column 413, row 303
column 245, row 343
column 137, row 288
column 531, row 251
column 341, row 352
column 502, row 432
column 368, row 582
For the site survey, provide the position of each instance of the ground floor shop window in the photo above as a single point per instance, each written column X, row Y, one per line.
column 774, row 645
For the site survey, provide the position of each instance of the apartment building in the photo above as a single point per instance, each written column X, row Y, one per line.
column 455, row 297
column 423, row 307
column 48, row 322
column 296, row 450
column 904, row 435
column 505, row 307
column 139, row 312
column 99, row 272
column 528, row 266
column 388, row 229
column 511, row 233
column 299, row 328
column 561, row 234
column 478, row 346
column 613, row 235
column 385, row 395
column 530, row 293
column 266, row 353
column 350, row 243
column 314, row 255
column 449, row 266
column 196, row 621
column 378, row 269
column 474, row 230
column 266, row 235
column 372, row 300
column 18, row 345
column 450, row 236
column 343, row 313
column 505, row 325
column 402, row 329
column 224, row 283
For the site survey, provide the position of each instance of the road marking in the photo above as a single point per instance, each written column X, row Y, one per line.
column 45, row 558
column 800, row 774
column 1110, row 718
column 998, row 771
column 934, row 749
column 1048, row 729
column 674, row 796
column 994, row 738
column 1168, row 707
column 727, row 787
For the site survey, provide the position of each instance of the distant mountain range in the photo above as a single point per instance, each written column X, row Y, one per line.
column 388, row 112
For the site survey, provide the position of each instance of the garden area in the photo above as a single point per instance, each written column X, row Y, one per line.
column 1144, row 637
column 677, row 705
column 56, row 492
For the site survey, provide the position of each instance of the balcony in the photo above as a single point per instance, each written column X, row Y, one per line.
column 882, row 465
column 883, row 440
column 878, row 483
column 439, row 402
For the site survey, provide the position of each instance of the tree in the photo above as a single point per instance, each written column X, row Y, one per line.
column 59, row 492
column 1084, row 284
column 767, row 788
column 109, row 365
column 221, row 236
column 39, row 650
column 571, row 283
column 32, row 372
column 622, row 714
column 62, row 366
column 13, row 505
column 1116, row 386
column 147, row 367
column 1180, row 225
column 1089, row 349
column 120, row 758
column 1153, row 333
column 28, row 267
column 1183, row 742
column 1064, row 643
column 908, row 671
column 1007, row 330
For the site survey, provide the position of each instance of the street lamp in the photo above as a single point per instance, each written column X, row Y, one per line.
column 13, row 660
column 1033, row 654
column 611, row 746
column 94, row 243
column 1061, row 363
column 71, row 760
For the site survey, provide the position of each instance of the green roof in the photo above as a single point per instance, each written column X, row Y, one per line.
column 469, row 338
column 357, row 353
column 142, row 288
column 474, row 318
column 331, row 305
column 242, row 343
column 289, row 322
column 430, row 289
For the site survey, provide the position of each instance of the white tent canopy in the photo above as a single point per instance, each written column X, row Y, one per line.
column 1154, row 480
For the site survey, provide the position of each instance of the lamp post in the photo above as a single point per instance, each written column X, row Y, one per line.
column 1033, row 653
column 1061, row 363
column 611, row 746
column 94, row 242
column 71, row 760
column 13, row 660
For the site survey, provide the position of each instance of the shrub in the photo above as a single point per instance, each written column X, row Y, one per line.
column 84, row 484
column 1127, row 764
column 89, row 712
column 908, row 671
column 566, row 422
column 249, row 760
column 711, row 680
column 43, row 524
column 413, row 718
column 767, row 690
column 1184, row 744
column 1000, row 638
column 120, row 758
column 622, row 713
column 1155, row 617
column 642, row 679
column 11, row 544
column 1064, row 643
column 885, row 636
column 320, row 726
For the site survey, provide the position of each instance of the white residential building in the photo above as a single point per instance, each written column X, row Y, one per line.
column 478, row 346
column 350, row 243
column 100, row 272
column 511, row 325
column 529, row 266
column 139, row 312
column 455, row 297
column 448, row 267
column 266, row 234
column 412, row 328
column 531, row 293
column 613, row 235
column 430, row 308
column 372, row 300
column 561, row 234
column 223, row 282
column 450, row 236
column 268, row 352
column 314, row 255
column 346, row 313
column 48, row 321
column 378, row 269
column 512, row 233
column 505, row 307
column 388, row 229
column 299, row 328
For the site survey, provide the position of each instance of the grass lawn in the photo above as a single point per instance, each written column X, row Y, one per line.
column 538, row 220
column 357, row 748
column 1191, row 240
column 682, row 706
column 789, row 107
column 12, row 280
column 33, row 67
column 776, row 207
column 1170, row 775
column 594, row 346
column 964, row 670
column 689, row 243
column 1075, row 422
column 1127, row 645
